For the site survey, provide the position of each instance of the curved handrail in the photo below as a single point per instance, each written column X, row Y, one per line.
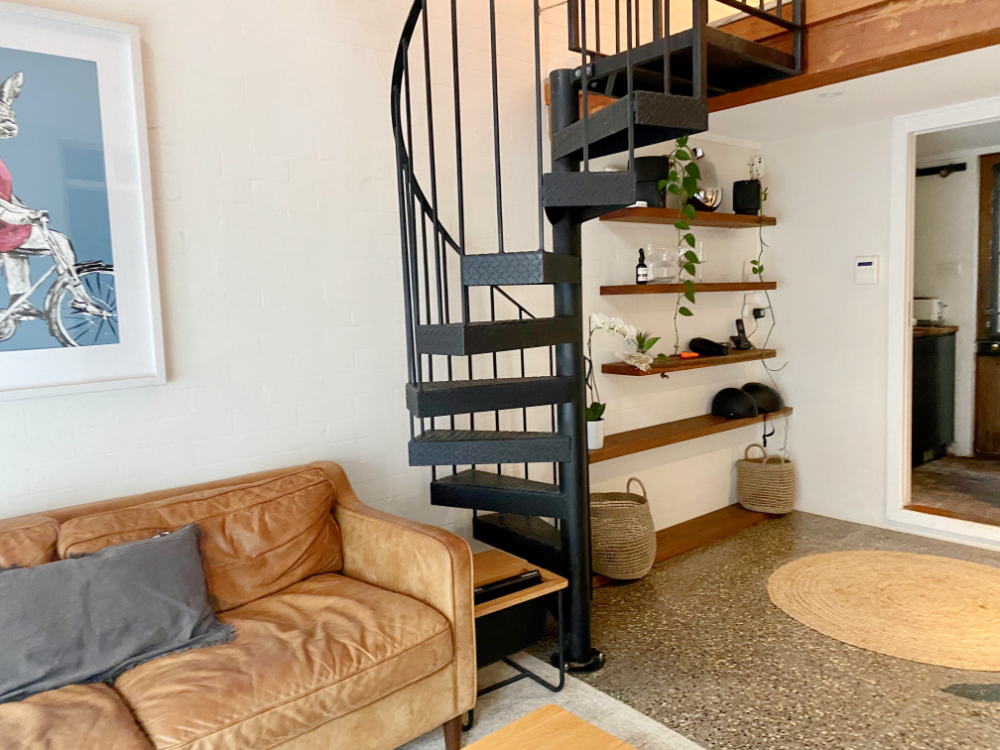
column 398, row 71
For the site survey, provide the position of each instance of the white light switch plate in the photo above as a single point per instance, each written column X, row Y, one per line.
column 866, row 270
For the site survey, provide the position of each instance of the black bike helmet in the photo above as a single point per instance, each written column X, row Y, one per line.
column 767, row 399
column 732, row 403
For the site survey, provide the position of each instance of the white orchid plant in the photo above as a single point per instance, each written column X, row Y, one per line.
column 617, row 326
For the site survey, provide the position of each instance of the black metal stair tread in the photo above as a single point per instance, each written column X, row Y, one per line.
column 658, row 118
column 487, row 480
column 440, row 398
column 529, row 538
column 459, row 339
column 520, row 268
column 486, row 491
column 468, row 447
column 734, row 64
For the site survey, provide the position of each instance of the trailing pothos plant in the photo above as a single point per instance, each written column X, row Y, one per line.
column 682, row 182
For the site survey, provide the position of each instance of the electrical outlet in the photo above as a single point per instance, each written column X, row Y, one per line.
column 757, row 167
column 759, row 312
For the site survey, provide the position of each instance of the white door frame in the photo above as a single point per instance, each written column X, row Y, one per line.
column 905, row 130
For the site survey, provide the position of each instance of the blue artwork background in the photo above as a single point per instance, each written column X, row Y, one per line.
column 57, row 164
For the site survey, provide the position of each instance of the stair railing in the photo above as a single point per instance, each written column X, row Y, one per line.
column 426, row 241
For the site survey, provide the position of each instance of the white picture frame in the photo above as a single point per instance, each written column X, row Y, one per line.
column 133, row 355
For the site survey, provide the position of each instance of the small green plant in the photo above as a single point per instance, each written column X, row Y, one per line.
column 645, row 341
column 682, row 182
column 595, row 412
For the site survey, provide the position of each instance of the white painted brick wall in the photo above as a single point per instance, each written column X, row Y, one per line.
column 275, row 195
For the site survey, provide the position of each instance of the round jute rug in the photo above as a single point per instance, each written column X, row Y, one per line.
column 932, row 610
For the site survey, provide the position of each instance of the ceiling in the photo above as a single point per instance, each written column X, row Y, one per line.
column 917, row 88
column 970, row 138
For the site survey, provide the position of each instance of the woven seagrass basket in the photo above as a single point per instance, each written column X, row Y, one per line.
column 765, row 484
column 623, row 540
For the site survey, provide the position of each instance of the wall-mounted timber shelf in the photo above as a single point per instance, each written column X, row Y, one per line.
column 647, row 438
column 701, row 218
column 676, row 364
column 653, row 288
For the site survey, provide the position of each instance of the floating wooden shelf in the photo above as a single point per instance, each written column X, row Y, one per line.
column 647, row 438
column 738, row 286
column 676, row 364
column 701, row 218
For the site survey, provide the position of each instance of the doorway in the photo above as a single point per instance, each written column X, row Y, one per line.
column 955, row 419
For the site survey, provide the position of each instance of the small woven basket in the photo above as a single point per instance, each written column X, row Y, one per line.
column 765, row 484
column 623, row 540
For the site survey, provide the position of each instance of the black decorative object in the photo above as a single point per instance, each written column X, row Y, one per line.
column 732, row 403
column 707, row 348
column 768, row 400
column 649, row 170
column 746, row 197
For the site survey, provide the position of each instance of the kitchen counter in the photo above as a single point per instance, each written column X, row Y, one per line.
column 920, row 332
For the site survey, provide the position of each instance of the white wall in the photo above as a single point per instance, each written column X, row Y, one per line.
column 830, row 192
column 945, row 265
column 277, row 224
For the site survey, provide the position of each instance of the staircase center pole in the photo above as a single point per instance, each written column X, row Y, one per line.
column 574, row 476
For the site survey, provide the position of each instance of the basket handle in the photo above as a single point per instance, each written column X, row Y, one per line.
column 746, row 453
column 628, row 486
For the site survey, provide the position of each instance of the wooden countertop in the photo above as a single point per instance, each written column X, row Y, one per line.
column 920, row 332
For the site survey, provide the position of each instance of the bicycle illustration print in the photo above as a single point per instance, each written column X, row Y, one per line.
column 80, row 306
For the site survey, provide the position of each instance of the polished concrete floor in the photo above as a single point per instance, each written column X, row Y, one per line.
column 698, row 646
column 966, row 488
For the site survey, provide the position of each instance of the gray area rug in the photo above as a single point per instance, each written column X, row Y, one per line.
column 500, row 708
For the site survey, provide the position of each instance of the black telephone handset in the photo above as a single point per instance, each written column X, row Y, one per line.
column 740, row 340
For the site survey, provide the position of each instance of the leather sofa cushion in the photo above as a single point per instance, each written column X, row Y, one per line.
column 29, row 541
column 78, row 717
column 258, row 538
column 318, row 650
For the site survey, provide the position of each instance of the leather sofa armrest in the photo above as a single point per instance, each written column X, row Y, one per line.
column 424, row 562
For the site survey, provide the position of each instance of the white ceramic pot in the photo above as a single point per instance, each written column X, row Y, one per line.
column 595, row 435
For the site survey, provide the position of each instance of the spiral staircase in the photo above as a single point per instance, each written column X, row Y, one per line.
column 497, row 402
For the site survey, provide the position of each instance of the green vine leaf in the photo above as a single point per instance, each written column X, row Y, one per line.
column 685, row 312
column 682, row 155
column 689, row 296
column 682, row 225
column 688, row 211
column 693, row 171
column 690, row 255
column 689, row 269
column 689, row 285
column 690, row 185
column 662, row 184
column 673, row 189
column 689, row 238
column 674, row 176
column 682, row 141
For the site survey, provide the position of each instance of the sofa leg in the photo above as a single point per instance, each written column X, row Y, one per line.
column 453, row 734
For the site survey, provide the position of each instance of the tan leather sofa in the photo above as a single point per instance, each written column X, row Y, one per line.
column 372, row 651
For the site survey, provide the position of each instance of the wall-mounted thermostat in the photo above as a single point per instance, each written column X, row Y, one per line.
column 866, row 270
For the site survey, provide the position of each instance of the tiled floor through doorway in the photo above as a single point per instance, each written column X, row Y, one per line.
column 966, row 488
column 698, row 646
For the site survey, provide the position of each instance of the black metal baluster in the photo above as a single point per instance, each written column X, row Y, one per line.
column 493, row 316
column 411, row 367
column 412, row 220
column 524, row 410
column 666, row 46
column 597, row 26
column 797, row 35
column 657, row 19
column 637, row 16
column 699, row 49
column 573, row 24
column 538, row 127
column 433, row 165
column 629, row 77
column 584, row 86
column 496, row 124
column 618, row 26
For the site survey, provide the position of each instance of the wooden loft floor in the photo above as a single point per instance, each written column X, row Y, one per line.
column 853, row 38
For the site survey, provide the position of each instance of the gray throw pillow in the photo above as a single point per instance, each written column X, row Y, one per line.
column 90, row 618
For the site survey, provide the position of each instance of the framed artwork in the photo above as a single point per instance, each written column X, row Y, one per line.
column 79, row 296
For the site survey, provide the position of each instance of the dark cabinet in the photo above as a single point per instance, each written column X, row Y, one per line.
column 933, row 396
